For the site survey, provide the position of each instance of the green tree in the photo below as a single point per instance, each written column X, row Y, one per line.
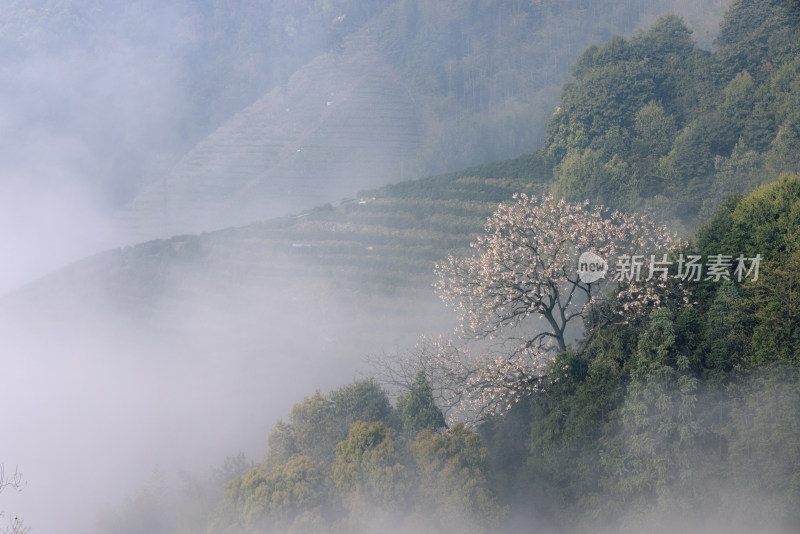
column 318, row 423
column 418, row 410
column 311, row 431
column 363, row 400
column 727, row 332
column 615, row 81
column 589, row 175
column 764, row 224
column 271, row 497
column 452, row 471
column 784, row 104
column 367, row 464
column 777, row 301
column 736, row 175
column 567, row 425
column 655, row 130
column 652, row 458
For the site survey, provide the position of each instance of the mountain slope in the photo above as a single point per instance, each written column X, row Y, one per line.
column 410, row 90
column 381, row 245
column 340, row 123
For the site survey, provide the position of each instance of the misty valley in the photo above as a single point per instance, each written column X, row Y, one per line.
column 400, row 266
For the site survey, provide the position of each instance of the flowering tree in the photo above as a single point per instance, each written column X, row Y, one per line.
column 526, row 266
column 523, row 287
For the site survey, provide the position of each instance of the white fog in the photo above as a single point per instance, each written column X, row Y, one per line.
column 192, row 234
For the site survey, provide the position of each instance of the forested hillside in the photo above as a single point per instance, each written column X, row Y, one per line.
column 684, row 419
column 655, row 124
column 674, row 410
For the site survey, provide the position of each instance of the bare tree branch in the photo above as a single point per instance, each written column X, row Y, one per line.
column 15, row 482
